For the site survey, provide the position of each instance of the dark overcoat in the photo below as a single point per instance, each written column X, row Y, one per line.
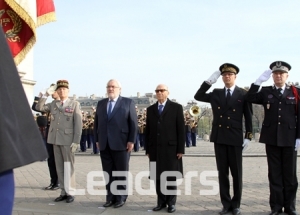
column 280, row 126
column 165, row 137
column 20, row 140
column 227, row 125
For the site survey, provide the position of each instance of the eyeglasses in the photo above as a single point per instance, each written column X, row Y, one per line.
column 228, row 74
column 161, row 90
column 114, row 87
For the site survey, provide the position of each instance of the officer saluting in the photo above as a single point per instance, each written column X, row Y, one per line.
column 281, row 133
column 229, row 106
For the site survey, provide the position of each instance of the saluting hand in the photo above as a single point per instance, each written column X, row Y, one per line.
column 263, row 77
column 214, row 77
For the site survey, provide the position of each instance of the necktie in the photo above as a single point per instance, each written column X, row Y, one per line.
column 228, row 96
column 160, row 109
column 279, row 91
column 109, row 108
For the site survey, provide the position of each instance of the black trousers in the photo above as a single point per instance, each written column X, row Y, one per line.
column 229, row 157
column 51, row 164
column 282, row 166
column 163, row 199
column 115, row 161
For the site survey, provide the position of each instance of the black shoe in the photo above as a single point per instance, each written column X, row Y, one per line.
column 159, row 207
column 119, row 204
column 225, row 211
column 54, row 187
column 49, row 187
column 236, row 211
column 61, row 198
column 291, row 212
column 274, row 213
column 70, row 199
column 171, row 209
column 108, row 204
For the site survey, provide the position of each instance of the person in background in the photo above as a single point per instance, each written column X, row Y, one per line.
column 54, row 184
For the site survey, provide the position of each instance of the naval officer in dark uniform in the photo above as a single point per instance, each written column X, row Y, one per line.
column 229, row 106
column 281, row 133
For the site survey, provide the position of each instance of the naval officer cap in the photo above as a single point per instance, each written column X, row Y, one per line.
column 280, row 66
column 229, row 67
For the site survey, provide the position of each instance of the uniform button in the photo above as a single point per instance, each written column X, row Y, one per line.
column 279, row 116
column 221, row 116
column 233, row 109
column 228, row 117
column 218, row 107
column 279, row 109
column 278, row 123
column 279, row 102
column 220, row 125
column 227, row 126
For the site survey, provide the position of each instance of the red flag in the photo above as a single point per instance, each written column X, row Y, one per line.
column 19, row 19
column 45, row 12
column 19, row 29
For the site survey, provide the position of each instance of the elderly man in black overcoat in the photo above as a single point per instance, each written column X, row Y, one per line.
column 165, row 138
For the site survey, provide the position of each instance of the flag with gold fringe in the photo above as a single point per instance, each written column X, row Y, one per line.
column 19, row 20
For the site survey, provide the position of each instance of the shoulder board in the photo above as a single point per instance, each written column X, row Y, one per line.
column 267, row 87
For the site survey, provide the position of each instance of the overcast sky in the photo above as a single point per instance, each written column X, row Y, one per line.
column 180, row 43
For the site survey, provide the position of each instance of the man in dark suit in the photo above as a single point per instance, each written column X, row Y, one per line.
column 115, row 129
column 165, row 138
column 228, row 106
column 281, row 133
column 54, row 184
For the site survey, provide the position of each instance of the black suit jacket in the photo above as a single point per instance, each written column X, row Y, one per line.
column 165, row 137
column 280, row 126
column 227, row 125
column 119, row 128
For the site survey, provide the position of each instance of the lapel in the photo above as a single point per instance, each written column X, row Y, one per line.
column 116, row 108
column 234, row 97
column 288, row 91
column 166, row 107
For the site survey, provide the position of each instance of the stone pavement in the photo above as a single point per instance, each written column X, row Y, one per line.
column 31, row 199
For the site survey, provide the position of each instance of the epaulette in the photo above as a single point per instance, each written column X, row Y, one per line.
column 267, row 87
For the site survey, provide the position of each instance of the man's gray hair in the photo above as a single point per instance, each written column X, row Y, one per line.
column 119, row 84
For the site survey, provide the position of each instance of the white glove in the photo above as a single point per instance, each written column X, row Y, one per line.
column 297, row 145
column 214, row 77
column 245, row 144
column 74, row 147
column 263, row 77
